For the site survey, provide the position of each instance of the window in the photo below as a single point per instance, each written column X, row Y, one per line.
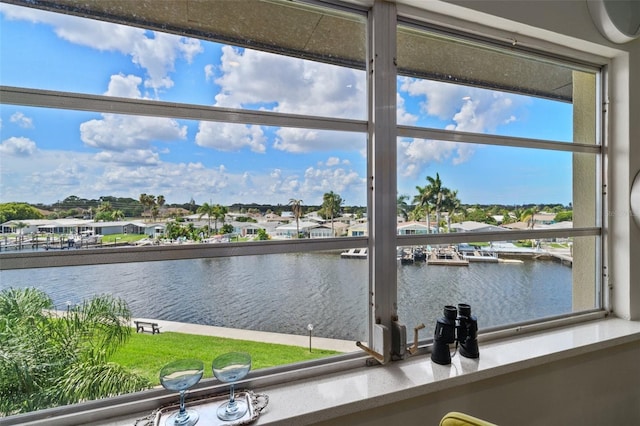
column 500, row 144
column 490, row 154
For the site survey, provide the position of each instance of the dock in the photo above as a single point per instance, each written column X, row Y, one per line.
column 446, row 258
column 357, row 253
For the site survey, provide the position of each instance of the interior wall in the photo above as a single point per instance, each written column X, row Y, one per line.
column 599, row 388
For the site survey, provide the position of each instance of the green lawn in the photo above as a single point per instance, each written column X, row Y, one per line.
column 123, row 238
column 147, row 353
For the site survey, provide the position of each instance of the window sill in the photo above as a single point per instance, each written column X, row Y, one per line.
column 331, row 396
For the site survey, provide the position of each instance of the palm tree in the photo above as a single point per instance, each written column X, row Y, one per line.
column 49, row 359
column 451, row 204
column 331, row 203
column 20, row 226
column 160, row 201
column 417, row 213
column 402, row 206
column 423, row 201
column 528, row 216
column 432, row 195
column 296, row 208
column 144, row 200
column 208, row 210
column 105, row 206
column 219, row 212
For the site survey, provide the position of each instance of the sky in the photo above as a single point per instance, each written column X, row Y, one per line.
column 47, row 155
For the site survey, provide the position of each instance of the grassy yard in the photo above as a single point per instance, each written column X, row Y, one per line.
column 122, row 238
column 146, row 354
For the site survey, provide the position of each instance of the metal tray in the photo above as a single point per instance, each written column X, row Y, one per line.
column 207, row 408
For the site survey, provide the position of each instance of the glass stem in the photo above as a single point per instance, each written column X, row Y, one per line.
column 182, row 409
column 232, row 399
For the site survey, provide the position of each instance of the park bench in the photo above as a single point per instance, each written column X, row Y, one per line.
column 140, row 327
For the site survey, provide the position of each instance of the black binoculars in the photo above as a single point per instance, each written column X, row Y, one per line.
column 459, row 326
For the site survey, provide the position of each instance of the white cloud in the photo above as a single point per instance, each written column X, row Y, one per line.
column 305, row 140
column 21, row 120
column 416, row 154
column 290, row 85
column 230, row 137
column 124, row 86
column 209, row 72
column 18, row 147
column 469, row 109
column 402, row 116
column 119, row 133
column 332, row 161
column 339, row 180
column 465, row 108
column 129, row 156
column 152, row 51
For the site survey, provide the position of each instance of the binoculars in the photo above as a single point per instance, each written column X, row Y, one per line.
column 456, row 326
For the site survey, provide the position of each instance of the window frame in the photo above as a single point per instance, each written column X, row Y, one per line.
column 383, row 284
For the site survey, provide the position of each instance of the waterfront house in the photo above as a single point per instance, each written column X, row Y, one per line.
column 414, row 228
column 472, row 226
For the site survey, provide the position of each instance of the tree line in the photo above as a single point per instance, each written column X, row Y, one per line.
column 430, row 202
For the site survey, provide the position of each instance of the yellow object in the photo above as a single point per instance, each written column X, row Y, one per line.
column 460, row 419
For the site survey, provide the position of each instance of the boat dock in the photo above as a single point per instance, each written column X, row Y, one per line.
column 357, row 253
column 446, row 258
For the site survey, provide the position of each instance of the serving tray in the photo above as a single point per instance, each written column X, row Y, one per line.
column 207, row 409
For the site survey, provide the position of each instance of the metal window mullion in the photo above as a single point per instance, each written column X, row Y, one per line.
column 383, row 178
column 112, row 105
column 487, row 139
column 107, row 255
column 464, row 237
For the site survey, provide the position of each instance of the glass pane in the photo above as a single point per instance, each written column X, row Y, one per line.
column 449, row 84
column 319, row 288
column 516, row 287
column 91, row 166
column 264, row 301
column 101, row 58
column 470, row 187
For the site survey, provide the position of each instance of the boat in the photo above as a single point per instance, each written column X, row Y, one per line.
column 419, row 254
column 481, row 256
column 355, row 253
column 406, row 257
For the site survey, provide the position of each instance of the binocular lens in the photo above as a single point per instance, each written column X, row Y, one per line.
column 464, row 309
column 450, row 312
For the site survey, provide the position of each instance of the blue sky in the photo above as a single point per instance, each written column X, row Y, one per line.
column 47, row 155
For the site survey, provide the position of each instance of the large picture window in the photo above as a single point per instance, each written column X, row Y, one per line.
column 226, row 172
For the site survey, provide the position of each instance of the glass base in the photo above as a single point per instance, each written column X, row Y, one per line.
column 189, row 418
column 232, row 413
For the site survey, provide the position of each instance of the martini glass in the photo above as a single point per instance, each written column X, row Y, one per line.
column 230, row 368
column 180, row 376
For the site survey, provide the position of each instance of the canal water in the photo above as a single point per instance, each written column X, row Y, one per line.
column 285, row 292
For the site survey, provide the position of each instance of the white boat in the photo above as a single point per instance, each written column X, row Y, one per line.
column 481, row 256
column 357, row 253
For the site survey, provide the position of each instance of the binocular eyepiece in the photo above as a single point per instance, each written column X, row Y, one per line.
column 456, row 326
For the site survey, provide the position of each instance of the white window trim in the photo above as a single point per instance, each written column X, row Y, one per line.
column 620, row 331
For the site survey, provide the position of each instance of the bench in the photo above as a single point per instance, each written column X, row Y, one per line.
column 140, row 327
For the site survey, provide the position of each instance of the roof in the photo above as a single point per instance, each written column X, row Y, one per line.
column 471, row 226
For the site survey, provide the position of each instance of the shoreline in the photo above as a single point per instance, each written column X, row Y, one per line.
column 253, row 335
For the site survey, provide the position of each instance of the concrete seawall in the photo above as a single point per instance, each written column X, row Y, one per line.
column 256, row 336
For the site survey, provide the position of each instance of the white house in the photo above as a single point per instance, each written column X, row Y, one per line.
column 472, row 226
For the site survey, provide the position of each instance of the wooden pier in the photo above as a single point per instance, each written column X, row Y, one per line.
column 446, row 258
